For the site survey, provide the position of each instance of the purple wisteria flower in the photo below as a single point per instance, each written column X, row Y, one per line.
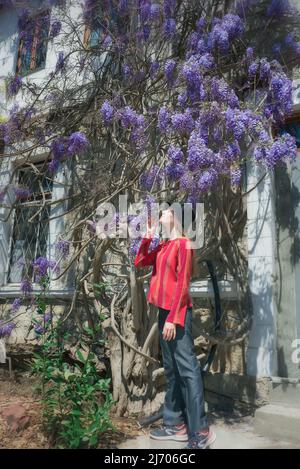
column 175, row 154
column 200, row 24
column 289, row 39
column 16, row 304
column 107, row 41
column 169, row 28
column 47, row 317
column 265, row 69
column 283, row 147
column 22, row 193
column 134, row 247
column 61, row 63
column 221, row 91
column 234, row 124
column 6, row 329
column 169, row 7
column 130, row 118
column 107, row 112
column 297, row 47
column 174, row 170
column 53, row 166
column 199, row 154
column 145, row 10
column 41, row 266
column 62, row 247
column 206, row 61
column 187, row 181
column 183, row 123
column 126, row 71
column 55, row 28
column 78, row 142
column 280, row 96
column 154, row 68
column 229, row 153
column 249, row 53
column 122, row 7
column 155, row 12
column 220, row 38
column 233, row 25
column 169, row 69
column 182, row 100
column 14, row 85
column 151, row 178
column 276, row 48
column 191, row 73
column 164, row 119
column 253, row 69
column 26, row 286
column 207, row 180
column 278, row 8
column 38, row 328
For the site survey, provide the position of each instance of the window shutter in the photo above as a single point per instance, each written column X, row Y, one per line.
column 6, row 220
column 57, row 226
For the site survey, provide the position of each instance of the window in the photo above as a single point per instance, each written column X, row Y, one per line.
column 104, row 21
column 33, row 44
column 29, row 239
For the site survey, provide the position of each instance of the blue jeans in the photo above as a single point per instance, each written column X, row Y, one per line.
column 184, row 398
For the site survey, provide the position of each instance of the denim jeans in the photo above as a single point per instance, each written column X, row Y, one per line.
column 184, row 398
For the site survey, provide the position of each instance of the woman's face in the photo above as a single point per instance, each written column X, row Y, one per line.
column 167, row 218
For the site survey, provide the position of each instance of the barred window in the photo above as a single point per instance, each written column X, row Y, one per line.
column 30, row 237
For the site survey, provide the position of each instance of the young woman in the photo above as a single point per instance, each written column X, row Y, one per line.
column 184, row 417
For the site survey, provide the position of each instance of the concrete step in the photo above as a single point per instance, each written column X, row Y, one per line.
column 286, row 394
column 278, row 421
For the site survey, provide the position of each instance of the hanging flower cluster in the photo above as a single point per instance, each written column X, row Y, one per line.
column 128, row 119
column 6, row 329
column 41, row 267
column 62, row 248
column 62, row 147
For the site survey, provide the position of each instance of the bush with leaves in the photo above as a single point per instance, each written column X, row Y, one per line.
column 76, row 401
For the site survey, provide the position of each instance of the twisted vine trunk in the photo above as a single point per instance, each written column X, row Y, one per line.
column 132, row 366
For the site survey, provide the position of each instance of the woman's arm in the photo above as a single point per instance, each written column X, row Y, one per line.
column 143, row 257
column 185, row 264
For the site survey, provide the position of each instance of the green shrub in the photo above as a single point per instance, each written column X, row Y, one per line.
column 76, row 402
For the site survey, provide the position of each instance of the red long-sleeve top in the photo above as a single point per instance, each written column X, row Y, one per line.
column 171, row 274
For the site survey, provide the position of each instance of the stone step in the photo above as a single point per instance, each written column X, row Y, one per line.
column 286, row 394
column 278, row 421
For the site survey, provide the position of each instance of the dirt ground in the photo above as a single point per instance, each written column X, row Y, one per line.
column 21, row 390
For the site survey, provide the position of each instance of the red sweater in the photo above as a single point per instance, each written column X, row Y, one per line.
column 171, row 274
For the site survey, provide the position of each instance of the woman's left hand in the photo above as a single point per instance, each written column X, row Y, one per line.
column 169, row 331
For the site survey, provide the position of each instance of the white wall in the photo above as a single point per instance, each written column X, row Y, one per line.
column 262, row 347
column 9, row 48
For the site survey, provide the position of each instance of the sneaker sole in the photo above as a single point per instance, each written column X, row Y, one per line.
column 210, row 441
column 170, row 437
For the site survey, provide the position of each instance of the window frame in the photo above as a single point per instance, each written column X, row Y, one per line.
column 88, row 30
column 58, row 289
column 14, row 217
column 33, row 49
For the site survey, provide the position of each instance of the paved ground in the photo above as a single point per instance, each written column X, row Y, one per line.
column 232, row 433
